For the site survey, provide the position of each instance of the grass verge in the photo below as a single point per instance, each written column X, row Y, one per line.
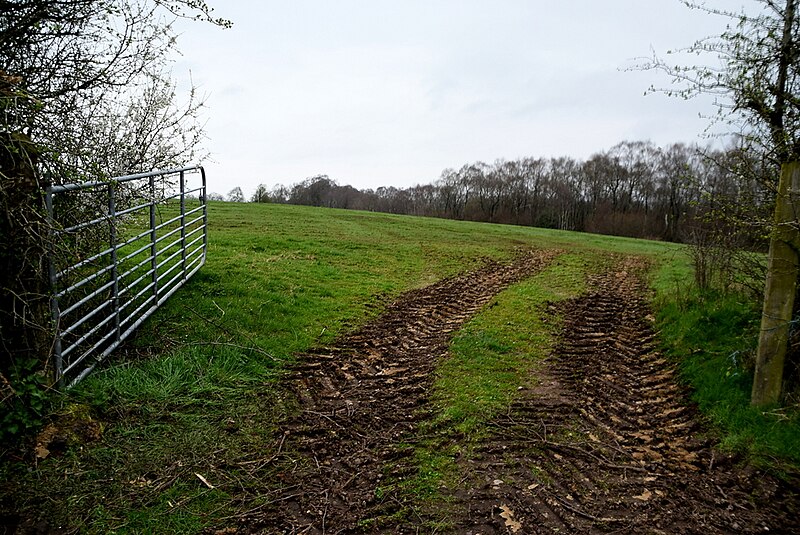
column 714, row 337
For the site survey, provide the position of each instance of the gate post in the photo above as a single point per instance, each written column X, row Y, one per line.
column 779, row 294
column 153, row 240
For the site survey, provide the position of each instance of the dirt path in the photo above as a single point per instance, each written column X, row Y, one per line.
column 604, row 444
column 608, row 444
column 358, row 401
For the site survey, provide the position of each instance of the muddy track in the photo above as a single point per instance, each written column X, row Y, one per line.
column 607, row 443
column 362, row 398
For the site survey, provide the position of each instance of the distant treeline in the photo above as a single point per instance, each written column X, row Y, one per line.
column 634, row 189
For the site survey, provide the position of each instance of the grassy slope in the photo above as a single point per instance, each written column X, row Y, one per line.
column 715, row 338
column 280, row 279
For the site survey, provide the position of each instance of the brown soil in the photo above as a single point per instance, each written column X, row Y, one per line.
column 606, row 443
column 361, row 399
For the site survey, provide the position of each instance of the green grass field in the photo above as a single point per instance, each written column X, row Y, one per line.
column 193, row 392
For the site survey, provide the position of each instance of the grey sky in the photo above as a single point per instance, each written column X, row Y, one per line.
column 379, row 93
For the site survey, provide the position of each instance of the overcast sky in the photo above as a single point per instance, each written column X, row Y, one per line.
column 390, row 93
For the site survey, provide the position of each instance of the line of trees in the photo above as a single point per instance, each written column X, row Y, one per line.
column 633, row 189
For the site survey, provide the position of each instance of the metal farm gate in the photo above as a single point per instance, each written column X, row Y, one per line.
column 146, row 233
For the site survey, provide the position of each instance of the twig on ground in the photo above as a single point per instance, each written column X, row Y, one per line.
column 584, row 514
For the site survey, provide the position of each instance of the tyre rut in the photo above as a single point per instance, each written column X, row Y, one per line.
column 606, row 443
column 360, row 400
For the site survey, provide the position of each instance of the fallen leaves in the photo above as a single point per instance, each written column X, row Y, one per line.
column 43, row 441
column 508, row 515
column 140, row 481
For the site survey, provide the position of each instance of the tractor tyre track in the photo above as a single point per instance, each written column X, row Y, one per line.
column 607, row 443
column 361, row 400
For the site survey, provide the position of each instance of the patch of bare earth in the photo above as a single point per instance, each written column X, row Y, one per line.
column 607, row 442
column 360, row 401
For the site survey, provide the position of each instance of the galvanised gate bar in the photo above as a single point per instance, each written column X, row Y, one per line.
column 142, row 236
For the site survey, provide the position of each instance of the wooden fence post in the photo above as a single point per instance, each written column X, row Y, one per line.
column 780, row 291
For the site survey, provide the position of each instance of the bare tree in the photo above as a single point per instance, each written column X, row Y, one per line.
column 454, row 193
column 235, row 195
column 672, row 190
column 758, row 90
column 313, row 191
column 280, row 194
column 260, row 194
column 97, row 71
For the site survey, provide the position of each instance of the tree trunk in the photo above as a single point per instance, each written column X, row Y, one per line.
column 780, row 291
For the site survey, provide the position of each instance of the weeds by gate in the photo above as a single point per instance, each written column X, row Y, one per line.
column 145, row 236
